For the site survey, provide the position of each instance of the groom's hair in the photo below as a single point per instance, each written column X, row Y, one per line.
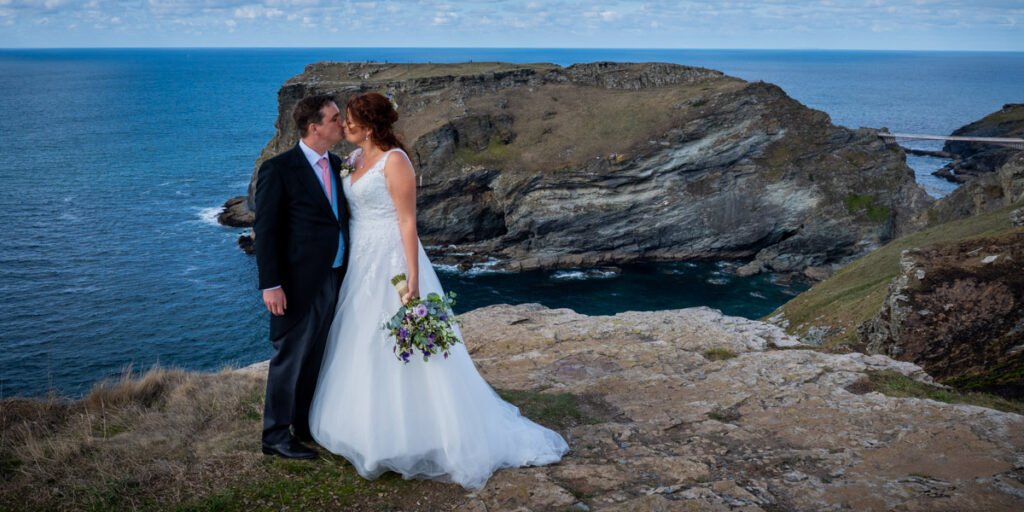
column 307, row 111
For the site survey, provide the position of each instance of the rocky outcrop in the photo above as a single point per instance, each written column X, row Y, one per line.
column 984, row 193
column 693, row 410
column 975, row 159
column 236, row 213
column 957, row 310
column 544, row 166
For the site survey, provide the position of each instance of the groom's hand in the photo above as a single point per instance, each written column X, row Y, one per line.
column 275, row 301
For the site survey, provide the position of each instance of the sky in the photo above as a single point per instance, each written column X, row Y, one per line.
column 977, row 25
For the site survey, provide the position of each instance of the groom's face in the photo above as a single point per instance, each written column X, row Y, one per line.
column 330, row 128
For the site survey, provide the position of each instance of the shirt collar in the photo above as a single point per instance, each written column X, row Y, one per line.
column 311, row 155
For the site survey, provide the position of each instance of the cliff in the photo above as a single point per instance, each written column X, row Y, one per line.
column 977, row 159
column 948, row 298
column 957, row 310
column 983, row 193
column 544, row 166
column 670, row 410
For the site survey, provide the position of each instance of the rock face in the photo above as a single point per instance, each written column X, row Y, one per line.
column 667, row 425
column 984, row 193
column 957, row 310
column 982, row 158
column 543, row 166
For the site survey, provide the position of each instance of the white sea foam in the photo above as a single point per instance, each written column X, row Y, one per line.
column 209, row 215
column 593, row 273
column 718, row 281
column 566, row 275
column 446, row 269
column 479, row 268
column 759, row 295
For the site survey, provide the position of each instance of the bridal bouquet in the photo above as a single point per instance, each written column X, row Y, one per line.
column 424, row 325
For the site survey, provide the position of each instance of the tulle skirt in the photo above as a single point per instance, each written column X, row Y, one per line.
column 436, row 420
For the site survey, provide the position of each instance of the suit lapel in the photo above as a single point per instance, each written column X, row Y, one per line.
column 310, row 181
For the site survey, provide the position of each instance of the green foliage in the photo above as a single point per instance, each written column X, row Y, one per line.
column 718, row 354
column 893, row 383
column 1008, row 373
column 858, row 203
column 495, row 151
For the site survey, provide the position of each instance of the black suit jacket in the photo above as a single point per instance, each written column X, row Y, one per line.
column 296, row 231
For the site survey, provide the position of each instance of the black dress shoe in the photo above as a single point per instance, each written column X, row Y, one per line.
column 290, row 449
column 305, row 437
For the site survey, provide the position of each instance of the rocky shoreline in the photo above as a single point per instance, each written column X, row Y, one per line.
column 974, row 160
column 540, row 166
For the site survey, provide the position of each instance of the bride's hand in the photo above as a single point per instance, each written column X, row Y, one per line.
column 413, row 293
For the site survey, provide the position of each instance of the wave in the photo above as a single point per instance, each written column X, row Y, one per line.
column 209, row 215
column 479, row 268
column 573, row 275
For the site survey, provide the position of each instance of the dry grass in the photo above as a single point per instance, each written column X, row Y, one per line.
column 130, row 444
column 176, row 440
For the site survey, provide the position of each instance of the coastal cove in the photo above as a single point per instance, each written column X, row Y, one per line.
column 120, row 261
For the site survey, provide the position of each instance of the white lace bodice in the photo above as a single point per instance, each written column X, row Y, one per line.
column 368, row 198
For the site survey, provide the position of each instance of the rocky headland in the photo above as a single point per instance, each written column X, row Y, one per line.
column 540, row 166
column 973, row 159
column 671, row 410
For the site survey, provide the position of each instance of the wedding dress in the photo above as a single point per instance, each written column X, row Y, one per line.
column 436, row 420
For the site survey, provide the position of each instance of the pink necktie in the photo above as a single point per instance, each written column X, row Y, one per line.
column 325, row 177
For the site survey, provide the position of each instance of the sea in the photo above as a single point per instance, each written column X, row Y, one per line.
column 115, row 162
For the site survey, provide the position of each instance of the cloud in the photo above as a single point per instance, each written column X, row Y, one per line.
column 551, row 23
column 258, row 11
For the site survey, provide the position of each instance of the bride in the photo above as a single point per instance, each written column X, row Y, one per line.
column 436, row 420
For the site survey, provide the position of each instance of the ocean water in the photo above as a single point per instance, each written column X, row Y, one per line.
column 113, row 164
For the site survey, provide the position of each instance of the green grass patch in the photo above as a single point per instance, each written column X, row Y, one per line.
column 327, row 483
column 893, row 383
column 250, row 408
column 1008, row 374
column 718, row 354
column 496, row 151
column 864, row 203
column 855, row 293
column 554, row 410
column 8, row 465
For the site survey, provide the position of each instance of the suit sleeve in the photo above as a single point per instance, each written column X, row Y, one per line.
column 268, row 225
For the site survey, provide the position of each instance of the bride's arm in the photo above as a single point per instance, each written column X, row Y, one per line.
column 401, row 181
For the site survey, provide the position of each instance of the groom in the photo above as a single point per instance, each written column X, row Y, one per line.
column 301, row 228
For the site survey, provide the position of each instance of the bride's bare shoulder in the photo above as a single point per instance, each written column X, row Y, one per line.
column 398, row 162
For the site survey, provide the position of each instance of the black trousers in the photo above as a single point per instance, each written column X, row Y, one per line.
column 295, row 367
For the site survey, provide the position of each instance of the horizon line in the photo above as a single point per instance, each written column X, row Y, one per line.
column 582, row 48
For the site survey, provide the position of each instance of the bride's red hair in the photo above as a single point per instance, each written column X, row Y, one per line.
column 375, row 111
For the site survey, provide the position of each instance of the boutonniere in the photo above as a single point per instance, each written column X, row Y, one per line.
column 346, row 168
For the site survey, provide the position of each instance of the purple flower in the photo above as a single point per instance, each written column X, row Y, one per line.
column 443, row 317
column 403, row 333
column 430, row 338
column 421, row 311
